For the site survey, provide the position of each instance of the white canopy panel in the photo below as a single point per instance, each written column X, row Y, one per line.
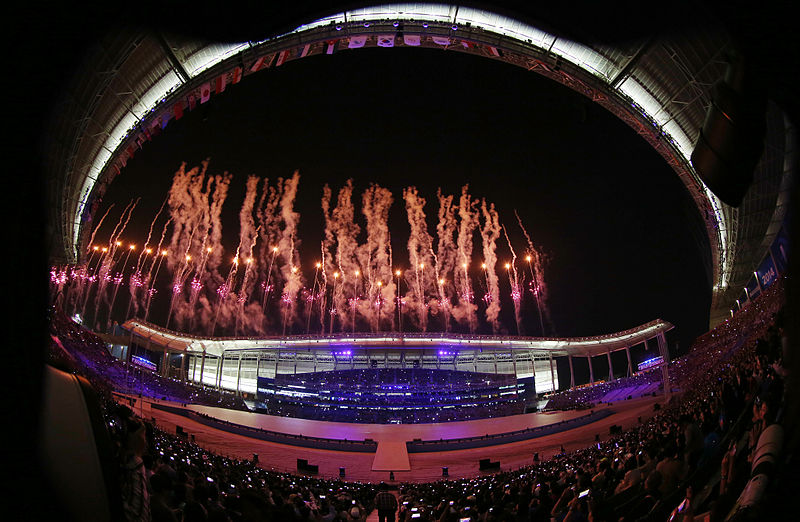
column 576, row 346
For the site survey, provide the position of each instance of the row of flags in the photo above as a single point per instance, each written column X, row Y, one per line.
column 414, row 40
column 217, row 86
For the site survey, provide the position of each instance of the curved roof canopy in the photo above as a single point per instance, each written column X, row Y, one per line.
column 557, row 347
column 660, row 87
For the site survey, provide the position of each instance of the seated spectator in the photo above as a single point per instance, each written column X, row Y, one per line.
column 673, row 469
column 632, row 475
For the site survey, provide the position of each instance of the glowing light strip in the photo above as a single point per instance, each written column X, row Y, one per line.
column 154, row 95
column 580, row 55
column 200, row 61
column 218, row 347
column 210, row 55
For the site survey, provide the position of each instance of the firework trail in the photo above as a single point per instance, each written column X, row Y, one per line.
column 82, row 281
column 248, row 235
column 195, row 201
column 327, row 246
column 85, row 282
column 151, row 278
column 468, row 218
column 420, row 246
column 84, row 286
column 312, row 296
column 269, row 227
column 181, row 273
column 188, row 203
column 355, row 286
column 224, row 292
column 513, row 282
column 91, row 278
column 213, row 254
column 105, row 266
column 105, row 273
column 117, row 280
column 341, row 240
column 141, row 258
column 490, row 232
column 287, row 248
column 446, row 253
column 538, row 287
column 323, row 290
column 137, row 280
column 94, row 232
column 200, row 251
column 260, row 255
column 59, row 279
column 375, row 256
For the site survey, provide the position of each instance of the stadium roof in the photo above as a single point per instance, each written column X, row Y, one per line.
column 171, row 341
column 660, row 86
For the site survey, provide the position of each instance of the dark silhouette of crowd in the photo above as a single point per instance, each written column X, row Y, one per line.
column 166, row 478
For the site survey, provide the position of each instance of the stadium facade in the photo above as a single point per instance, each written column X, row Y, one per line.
column 237, row 364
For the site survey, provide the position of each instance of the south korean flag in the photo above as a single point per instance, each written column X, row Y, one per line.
column 386, row 40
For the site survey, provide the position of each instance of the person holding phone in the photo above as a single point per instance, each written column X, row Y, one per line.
column 579, row 507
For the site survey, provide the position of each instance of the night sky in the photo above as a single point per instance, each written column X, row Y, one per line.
column 613, row 219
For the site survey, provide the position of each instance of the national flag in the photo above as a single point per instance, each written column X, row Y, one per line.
column 441, row 40
column 205, row 92
column 259, row 63
column 357, row 42
column 412, row 39
column 495, row 51
column 330, row 46
column 155, row 127
column 165, row 116
column 467, row 45
column 177, row 110
column 262, row 63
column 123, row 158
column 192, row 102
column 302, row 52
column 131, row 150
column 237, row 75
column 219, row 83
column 282, row 57
column 386, row 40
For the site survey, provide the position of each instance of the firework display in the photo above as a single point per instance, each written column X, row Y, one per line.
column 447, row 279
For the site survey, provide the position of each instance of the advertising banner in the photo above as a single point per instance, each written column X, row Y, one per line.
column 767, row 274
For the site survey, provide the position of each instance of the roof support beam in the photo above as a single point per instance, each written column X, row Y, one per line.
column 626, row 69
column 173, row 60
